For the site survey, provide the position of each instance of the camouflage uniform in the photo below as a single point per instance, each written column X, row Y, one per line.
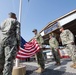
column 54, row 46
column 68, row 40
column 9, row 42
column 40, row 57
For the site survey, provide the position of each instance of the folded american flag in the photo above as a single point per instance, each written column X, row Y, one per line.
column 29, row 49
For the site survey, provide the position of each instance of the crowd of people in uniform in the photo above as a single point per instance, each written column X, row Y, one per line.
column 67, row 39
column 10, row 41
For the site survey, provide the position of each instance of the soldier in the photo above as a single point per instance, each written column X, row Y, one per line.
column 67, row 39
column 54, row 46
column 10, row 40
column 39, row 55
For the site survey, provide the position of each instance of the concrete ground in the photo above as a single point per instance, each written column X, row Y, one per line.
column 51, row 69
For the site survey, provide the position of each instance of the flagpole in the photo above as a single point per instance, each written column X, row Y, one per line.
column 20, row 11
column 19, row 19
column 19, row 69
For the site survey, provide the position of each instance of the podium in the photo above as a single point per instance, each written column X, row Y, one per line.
column 21, row 70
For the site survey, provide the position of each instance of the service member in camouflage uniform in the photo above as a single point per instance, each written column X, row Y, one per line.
column 10, row 40
column 67, row 39
column 39, row 55
column 54, row 46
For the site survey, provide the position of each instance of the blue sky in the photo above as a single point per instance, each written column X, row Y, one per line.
column 36, row 13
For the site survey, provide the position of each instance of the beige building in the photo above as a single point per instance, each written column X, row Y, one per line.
column 68, row 21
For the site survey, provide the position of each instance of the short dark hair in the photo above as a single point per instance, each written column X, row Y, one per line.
column 13, row 15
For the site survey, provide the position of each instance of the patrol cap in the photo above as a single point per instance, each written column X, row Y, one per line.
column 60, row 27
column 34, row 30
column 11, row 13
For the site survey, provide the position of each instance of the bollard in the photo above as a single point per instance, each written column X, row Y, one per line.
column 21, row 70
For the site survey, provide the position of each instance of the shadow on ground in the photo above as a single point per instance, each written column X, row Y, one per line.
column 50, row 70
column 30, row 71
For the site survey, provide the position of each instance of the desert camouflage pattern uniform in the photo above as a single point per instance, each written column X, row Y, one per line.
column 9, row 42
column 54, row 46
column 39, row 55
column 67, row 39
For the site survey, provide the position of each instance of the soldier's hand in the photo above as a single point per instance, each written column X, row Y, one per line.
column 57, row 48
column 72, row 43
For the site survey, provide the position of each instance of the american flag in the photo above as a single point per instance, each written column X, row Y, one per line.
column 28, row 50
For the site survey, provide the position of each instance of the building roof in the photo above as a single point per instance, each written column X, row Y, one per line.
column 54, row 21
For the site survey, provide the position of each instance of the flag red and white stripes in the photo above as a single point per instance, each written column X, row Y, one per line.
column 30, row 49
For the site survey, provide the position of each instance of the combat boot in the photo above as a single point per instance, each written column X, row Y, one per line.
column 58, row 64
column 72, row 65
column 42, row 70
column 39, row 70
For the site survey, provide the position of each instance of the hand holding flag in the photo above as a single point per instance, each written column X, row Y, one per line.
column 30, row 49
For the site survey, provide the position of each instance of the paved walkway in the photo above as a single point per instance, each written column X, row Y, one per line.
column 51, row 69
